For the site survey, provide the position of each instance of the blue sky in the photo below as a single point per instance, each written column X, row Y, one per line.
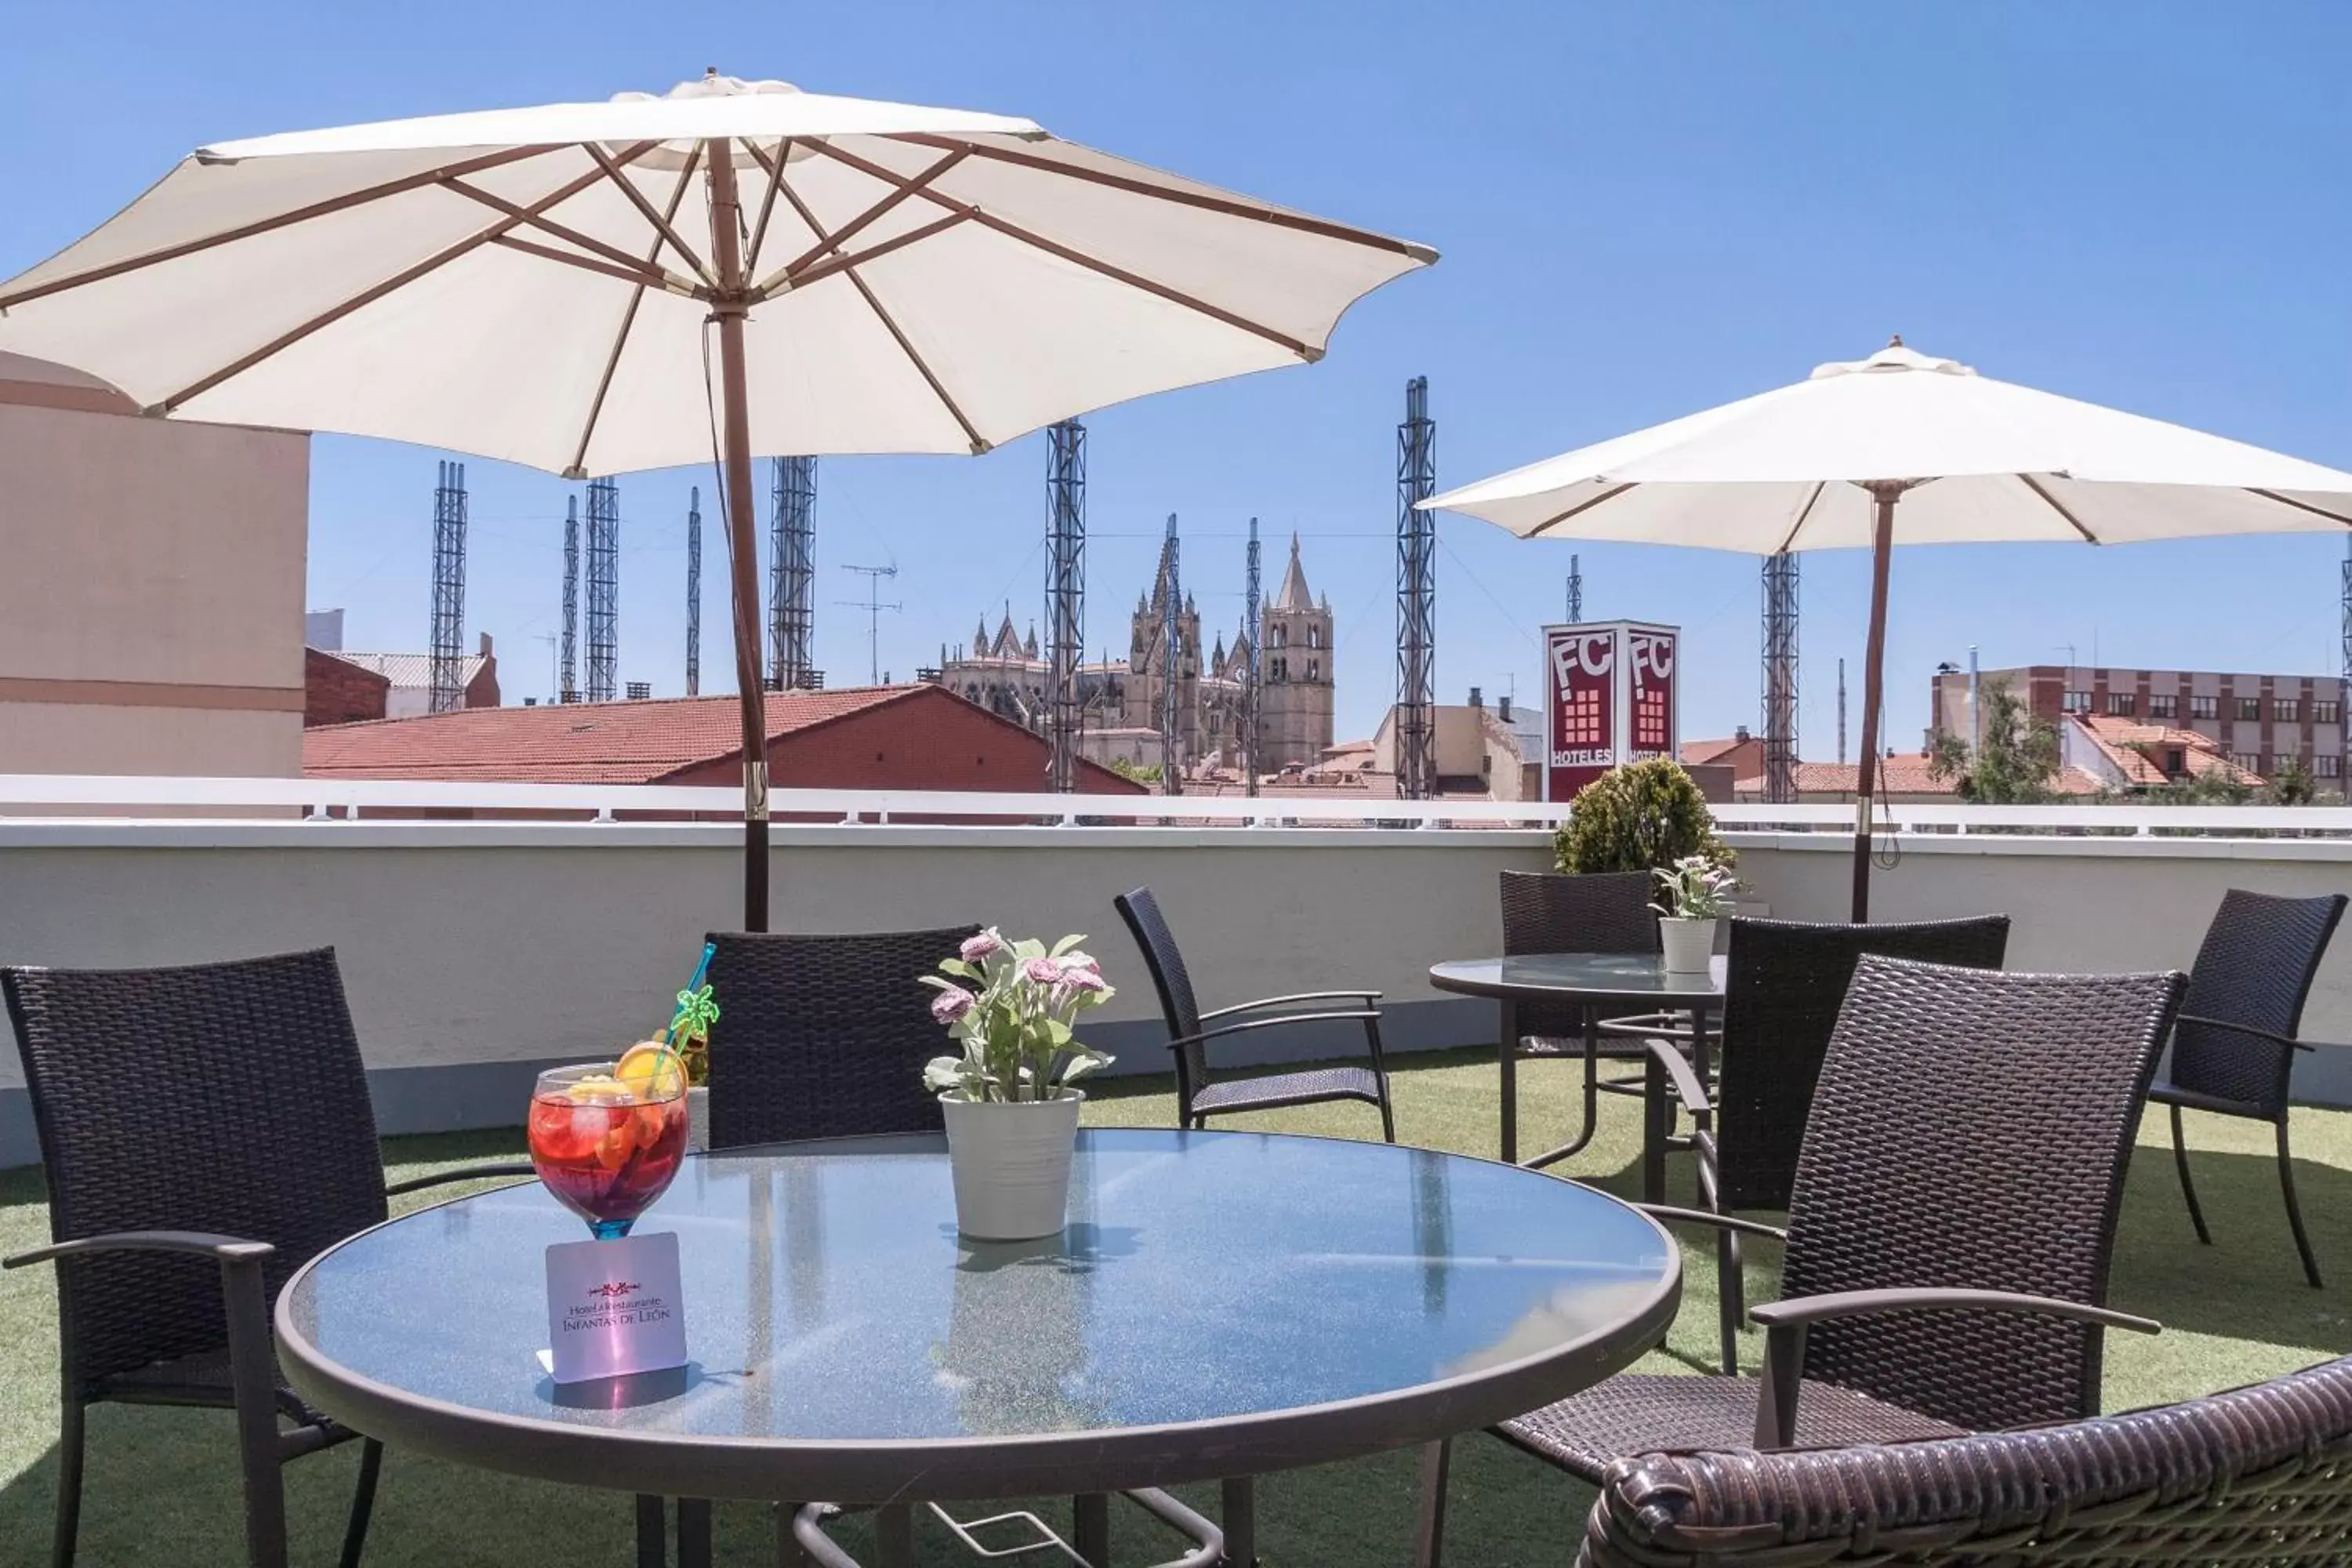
column 1644, row 210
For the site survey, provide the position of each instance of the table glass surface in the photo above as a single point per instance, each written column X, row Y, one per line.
column 827, row 1295
column 1617, row 975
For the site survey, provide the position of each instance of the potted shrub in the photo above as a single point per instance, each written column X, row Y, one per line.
column 1692, row 892
column 1644, row 817
column 1011, row 1116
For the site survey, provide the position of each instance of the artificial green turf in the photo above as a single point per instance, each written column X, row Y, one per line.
column 163, row 1484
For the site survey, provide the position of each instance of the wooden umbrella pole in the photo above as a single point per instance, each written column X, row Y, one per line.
column 1885, row 493
column 729, row 306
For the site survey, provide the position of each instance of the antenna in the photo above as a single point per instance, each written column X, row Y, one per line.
column 448, row 588
column 1254, row 626
column 1066, row 596
column 694, row 592
column 1171, row 665
column 568, row 687
column 1780, row 678
column 873, row 606
column 1841, row 713
column 604, row 588
column 1575, row 591
column 1416, row 594
column 554, row 671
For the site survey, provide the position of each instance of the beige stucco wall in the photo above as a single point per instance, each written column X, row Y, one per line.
column 151, row 617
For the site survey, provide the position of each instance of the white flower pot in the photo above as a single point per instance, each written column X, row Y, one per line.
column 1687, row 944
column 697, row 1118
column 1011, row 1164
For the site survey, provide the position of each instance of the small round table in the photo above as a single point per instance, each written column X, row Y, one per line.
column 1594, row 982
column 1223, row 1304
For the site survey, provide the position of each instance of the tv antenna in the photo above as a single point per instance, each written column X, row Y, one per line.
column 873, row 605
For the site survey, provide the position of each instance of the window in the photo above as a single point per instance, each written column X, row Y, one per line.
column 2325, row 712
column 2249, row 760
column 2286, row 709
column 2249, row 708
column 2204, row 707
column 1314, row 669
column 2163, row 707
column 2176, row 762
column 2328, row 765
column 1314, row 635
column 2122, row 704
column 2076, row 702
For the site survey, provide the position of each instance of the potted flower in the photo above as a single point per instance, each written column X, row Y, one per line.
column 1693, row 890
column 1011, row 1116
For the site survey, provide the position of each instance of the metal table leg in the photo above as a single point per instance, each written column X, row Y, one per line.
column 1592, row 1097
column 1240, row 1522
column 1090, row 1528
column 1654, row 1113
column 653, row 1529
column 693, row 1532
column 1507, row 1048
column 894, row 1536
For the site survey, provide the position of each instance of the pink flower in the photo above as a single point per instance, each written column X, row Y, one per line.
column 1044, row 971
column 976, row 948
column 951, row 1004
column 1075, row 980
column 1084, row 960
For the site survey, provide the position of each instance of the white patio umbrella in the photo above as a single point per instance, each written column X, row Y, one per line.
column 545, row 286
column 1903, row 448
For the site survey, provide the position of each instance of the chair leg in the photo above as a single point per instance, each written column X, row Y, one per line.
column 362, row 1502
column 2294, row 1209
column 2187, row 1187
column 1429, row 1538
column 1731, row 1289
column 69, row 1450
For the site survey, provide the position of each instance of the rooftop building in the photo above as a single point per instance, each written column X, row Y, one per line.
column 2257, row 722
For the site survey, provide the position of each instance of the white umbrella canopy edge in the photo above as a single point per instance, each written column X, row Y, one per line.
column 405, row 281
column 1902, row 447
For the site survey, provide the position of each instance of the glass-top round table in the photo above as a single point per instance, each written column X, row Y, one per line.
column 1223, row 1304
column 1593, row 982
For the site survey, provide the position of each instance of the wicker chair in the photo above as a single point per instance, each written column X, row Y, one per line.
column 1199, row 1096
column 1948, row 1237
column 204, row 1132
column 1784, row 982
column 2234, row 1048
column 2258, row 1475
column 824, row 1037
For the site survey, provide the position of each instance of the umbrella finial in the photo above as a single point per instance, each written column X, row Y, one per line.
column 1894, row 340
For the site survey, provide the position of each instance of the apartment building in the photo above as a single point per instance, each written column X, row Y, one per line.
column 2257, row 722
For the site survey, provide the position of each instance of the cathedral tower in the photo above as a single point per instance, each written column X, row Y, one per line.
column 1294, row 668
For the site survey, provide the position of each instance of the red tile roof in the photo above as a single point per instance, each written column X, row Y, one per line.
column 2126, row 742
column 1905, row 773
column 1714, row 751
column 586, row 743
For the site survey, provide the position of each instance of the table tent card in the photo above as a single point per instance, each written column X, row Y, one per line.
column 614, row 1306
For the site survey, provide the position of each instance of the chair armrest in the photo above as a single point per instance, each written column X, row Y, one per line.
column 1364, row 998
column 193, row 1243
column 1678, row 1071
column 1785, row 1323
column 1666, row 1215
column 2273, row 1035
column 463, row 1173
column 1222, row 1029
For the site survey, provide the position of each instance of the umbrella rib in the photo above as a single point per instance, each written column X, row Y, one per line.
column 1797, row 527
column 865, row 292
column 794, row 268
column 1224, row 204
column 578, row 468
column 1080, row 258
column 872, row 253
column 768, row 199
column 400, row 279
column 263, row 226
column 2054, row 503
column 643, row 268
column 2301, row 506
column 636, row 275
column 1548, row 524
column 645, row 210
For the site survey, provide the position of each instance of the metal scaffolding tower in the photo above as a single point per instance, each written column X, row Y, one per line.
column 449, row 589
column 792, row 572
column 1065, row 595
column 1780, row 678
column 568, row 686
column 1841, row 713
column 604, row 589
column 1252, row 627
column 1416, row 595
column 1575, row 591
column 873, row 606
column 1172, row 664
column 694, row 592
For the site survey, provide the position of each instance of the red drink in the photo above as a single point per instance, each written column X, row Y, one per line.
column 603, row 1150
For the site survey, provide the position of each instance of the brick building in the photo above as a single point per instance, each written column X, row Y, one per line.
column 337, row 691
column 884, row 737
column 2256, row 722
column 407, row 681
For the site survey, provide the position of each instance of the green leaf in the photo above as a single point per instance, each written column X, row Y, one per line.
column 1065, row 945
column 958, row 967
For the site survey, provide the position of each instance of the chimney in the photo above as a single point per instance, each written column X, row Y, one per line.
column 486, row 645
column 1475, row 700
column 1741, row 733
column 1503, row 708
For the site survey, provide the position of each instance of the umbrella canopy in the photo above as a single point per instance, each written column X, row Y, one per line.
column 596, row 288
column 1903, row 448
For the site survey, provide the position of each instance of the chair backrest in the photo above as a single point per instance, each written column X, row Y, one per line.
column 825, row 1037
column 1972, row 1128
column 1784, row 982
column 2254, row 967
column 226, row 1097
column 2257, row 1474
column 1173, row 981
column 1600, row 911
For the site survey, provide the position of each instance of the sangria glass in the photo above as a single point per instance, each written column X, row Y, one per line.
column 607, row 1137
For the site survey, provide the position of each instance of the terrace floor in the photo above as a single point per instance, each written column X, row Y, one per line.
column 163, row 1489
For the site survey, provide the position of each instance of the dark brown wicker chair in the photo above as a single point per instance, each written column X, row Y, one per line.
column 1199, row 1094
column 1784, row 982
column 2234, row 1048
column 2258, row 1475
column 824, row 1037
column 1948, row 1237
column 204, row 1132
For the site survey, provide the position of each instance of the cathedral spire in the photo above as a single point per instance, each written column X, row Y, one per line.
column 1294, row 595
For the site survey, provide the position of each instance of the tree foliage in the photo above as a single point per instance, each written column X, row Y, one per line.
column 1644, row 817
column 2016, row 763
column 2291, row 784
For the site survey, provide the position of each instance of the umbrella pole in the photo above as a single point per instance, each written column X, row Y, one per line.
column 1885, row 493
column 728, row 308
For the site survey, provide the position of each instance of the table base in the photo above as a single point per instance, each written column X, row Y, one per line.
column 1657, row 1109
column 803, row 1539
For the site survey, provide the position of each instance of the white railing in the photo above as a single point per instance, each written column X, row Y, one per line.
column 24, row 796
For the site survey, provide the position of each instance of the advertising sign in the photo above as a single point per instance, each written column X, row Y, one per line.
column 1610, row 699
